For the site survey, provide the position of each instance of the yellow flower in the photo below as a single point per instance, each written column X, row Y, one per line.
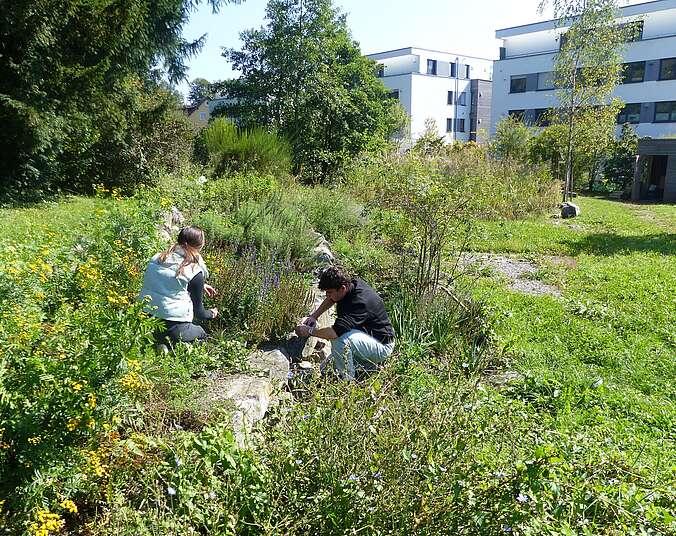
column 47, row 522
column 91, row 401
column 73, row 424
column 91, row 423
column 34, row 440
column 69, row 505
column 77, row 386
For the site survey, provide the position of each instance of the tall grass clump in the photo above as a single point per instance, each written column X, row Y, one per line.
column 232, row 149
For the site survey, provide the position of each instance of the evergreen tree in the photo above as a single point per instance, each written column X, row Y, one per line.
column 79, row 81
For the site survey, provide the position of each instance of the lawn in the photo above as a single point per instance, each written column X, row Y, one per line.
column 600, row 360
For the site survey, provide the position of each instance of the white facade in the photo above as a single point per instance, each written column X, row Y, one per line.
column 438, row 85
column 520, row 77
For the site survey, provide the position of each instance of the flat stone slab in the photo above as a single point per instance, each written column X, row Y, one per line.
column 273, row 363
column 251, row 397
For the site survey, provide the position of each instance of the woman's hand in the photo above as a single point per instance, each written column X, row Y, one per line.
column 211, row 291
column 309, row 321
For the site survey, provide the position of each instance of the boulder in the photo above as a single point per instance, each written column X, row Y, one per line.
column 273, row 363
column 251, row 398
column 569, row 210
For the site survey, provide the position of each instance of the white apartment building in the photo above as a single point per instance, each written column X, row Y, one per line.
column 522, row 84
column 452, row 89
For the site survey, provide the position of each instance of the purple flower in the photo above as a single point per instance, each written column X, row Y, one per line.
column 353, row 478
column 506, row 528
column 299, row 462
column 522, row 498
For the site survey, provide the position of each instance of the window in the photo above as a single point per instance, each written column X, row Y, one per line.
column 467, row 69
column 454, row 67
column 380, row 70
column 203, row 116
column 449, row 125
column 634, row 30
column 631, row 113
column 545, row 81
column 460, row 124
column 449, row 98
column 517, row 114
column 665, row 112
column 517, row 84
column 431, row 66
column 394, row 94
column 462, row 98
column 668, row 69
column 633, row 72
column 542, row 117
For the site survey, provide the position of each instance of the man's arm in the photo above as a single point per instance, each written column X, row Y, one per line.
column 323, row 307
column 325, row 333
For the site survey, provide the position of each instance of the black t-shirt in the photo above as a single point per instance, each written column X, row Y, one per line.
column 363, row 309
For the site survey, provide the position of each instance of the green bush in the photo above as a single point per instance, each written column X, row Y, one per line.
column 231, row 149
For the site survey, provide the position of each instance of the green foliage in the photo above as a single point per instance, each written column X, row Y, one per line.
column 200, row 89
column 329, row 211
column 304, row 76
column 80, row 94
column 619, row 166
column 587, row 70
column 511, row 140
column 231, row 149
column 75, row 348
column 430, row 143
column 259, row 296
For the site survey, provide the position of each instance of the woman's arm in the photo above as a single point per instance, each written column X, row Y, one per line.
column 196, row 291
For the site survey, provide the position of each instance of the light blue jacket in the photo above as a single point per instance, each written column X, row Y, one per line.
column 165, row 291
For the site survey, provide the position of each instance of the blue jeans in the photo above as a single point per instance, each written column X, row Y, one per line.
column 355, row 350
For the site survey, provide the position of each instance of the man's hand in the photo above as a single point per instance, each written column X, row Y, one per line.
column 309, row 321
column 303, row 330
column 211, row 291
column 215, row 312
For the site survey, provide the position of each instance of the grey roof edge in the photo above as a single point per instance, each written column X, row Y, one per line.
column 626, row 11
column 411, row 49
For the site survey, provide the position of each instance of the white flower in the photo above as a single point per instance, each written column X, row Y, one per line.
column 522, row 498
column 171, row 491
column 201, row 179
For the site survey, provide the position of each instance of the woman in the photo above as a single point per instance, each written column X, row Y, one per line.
column 173, row 286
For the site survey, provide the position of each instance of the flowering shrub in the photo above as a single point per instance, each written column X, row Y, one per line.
column 75, row 345
column 259, row 295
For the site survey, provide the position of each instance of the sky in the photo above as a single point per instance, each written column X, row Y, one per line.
column 460, row 26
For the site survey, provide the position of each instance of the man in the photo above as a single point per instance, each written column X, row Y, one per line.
column 362, row 335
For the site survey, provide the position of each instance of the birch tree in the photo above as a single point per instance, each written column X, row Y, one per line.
column 587, row 69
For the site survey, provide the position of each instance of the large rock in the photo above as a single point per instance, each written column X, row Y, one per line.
column 273, row 363
column 250, row 396
column 171, row 223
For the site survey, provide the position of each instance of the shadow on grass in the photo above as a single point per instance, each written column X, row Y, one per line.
column 611, row 244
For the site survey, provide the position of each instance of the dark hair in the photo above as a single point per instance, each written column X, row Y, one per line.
column 191, row 239
column 333, row 277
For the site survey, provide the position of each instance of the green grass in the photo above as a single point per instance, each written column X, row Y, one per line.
column 615, row 323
